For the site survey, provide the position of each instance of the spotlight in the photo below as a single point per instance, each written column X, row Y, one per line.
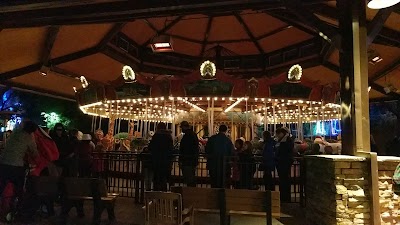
column 380, row 4
column 162, row 43
column 44, row 70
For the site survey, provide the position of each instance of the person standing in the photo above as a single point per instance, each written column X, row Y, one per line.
column 219, row 147
column 247, row 166
column 160, row 148
column 189, row 154
column 284, row 157
column 268, row 156
column 20, row 145
column 60, row 137
column 84, row 154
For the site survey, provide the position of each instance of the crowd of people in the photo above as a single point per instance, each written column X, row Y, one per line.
column 57, row 152
column 35, row 151
column 227, row 163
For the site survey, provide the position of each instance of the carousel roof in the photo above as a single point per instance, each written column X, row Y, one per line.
column 260, row 39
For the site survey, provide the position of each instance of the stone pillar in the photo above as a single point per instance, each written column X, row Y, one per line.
column 338, row 191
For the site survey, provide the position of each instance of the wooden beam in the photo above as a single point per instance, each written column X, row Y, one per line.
column 20, row 71
column 249, row 33
column 278, row 30
column 111, row 11
column 75, row 55
column 286, row 18
column 371, row 81
column 16, row 6
column 164, row 30
column 386, row 70
column 308, row 17
column 331, row 66
column 386, row 35
column 381, row 89
column 59, row 60
column 113, row 31
column 377, row 23
column 36, row 90
column 206, row 35
column 50, row 39
column 146, row 21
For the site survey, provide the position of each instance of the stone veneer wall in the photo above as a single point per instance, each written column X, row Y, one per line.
column 337, row 190
column 389, row 202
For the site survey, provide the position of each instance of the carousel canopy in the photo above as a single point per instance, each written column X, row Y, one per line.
column 48, row 51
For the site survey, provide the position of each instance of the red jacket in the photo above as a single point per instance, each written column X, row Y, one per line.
column 47, row 149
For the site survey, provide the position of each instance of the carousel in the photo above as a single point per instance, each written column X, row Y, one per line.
column 133, row 105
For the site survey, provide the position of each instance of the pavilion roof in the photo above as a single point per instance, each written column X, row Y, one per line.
column 258, row 39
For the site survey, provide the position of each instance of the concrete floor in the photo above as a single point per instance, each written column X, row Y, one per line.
column 128, row 213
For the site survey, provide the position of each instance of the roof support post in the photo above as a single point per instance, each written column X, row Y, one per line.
column 354, row 77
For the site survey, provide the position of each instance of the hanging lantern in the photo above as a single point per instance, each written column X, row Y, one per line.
column 84, row 82
column 208, row 70
column 128, row 74
column 294, row 74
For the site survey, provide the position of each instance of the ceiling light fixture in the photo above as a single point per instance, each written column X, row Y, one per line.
column 380, row 4
column 162, row 43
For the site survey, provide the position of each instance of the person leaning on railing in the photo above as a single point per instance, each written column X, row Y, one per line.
column 268, row 161
column 189, row 154
column 160, row 148
column 218, row 149
column 284, row 158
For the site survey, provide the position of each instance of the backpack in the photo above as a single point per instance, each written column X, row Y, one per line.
column 396, row 180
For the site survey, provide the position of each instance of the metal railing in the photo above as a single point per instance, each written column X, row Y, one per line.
column 130, row 175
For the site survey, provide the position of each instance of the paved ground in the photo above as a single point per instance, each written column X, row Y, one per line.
column 130, row 214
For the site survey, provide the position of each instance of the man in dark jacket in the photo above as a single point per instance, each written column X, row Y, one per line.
column 160, row 148
column 219, row 147
column 284, row 158
column 189, row 154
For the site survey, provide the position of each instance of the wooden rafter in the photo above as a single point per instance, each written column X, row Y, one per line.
column 206, row 35
column 386, row 70
column 308, row 17
column 386, row 35
column 113, row 31
column 273, row 32
column 377, row 23
column 36, row 90
column 371, row 82
column 249, row 33
column 59, row 60
column 381, row 90
column 286, row 18
column 164, row 30
column 99, row 11
column 50, row 39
